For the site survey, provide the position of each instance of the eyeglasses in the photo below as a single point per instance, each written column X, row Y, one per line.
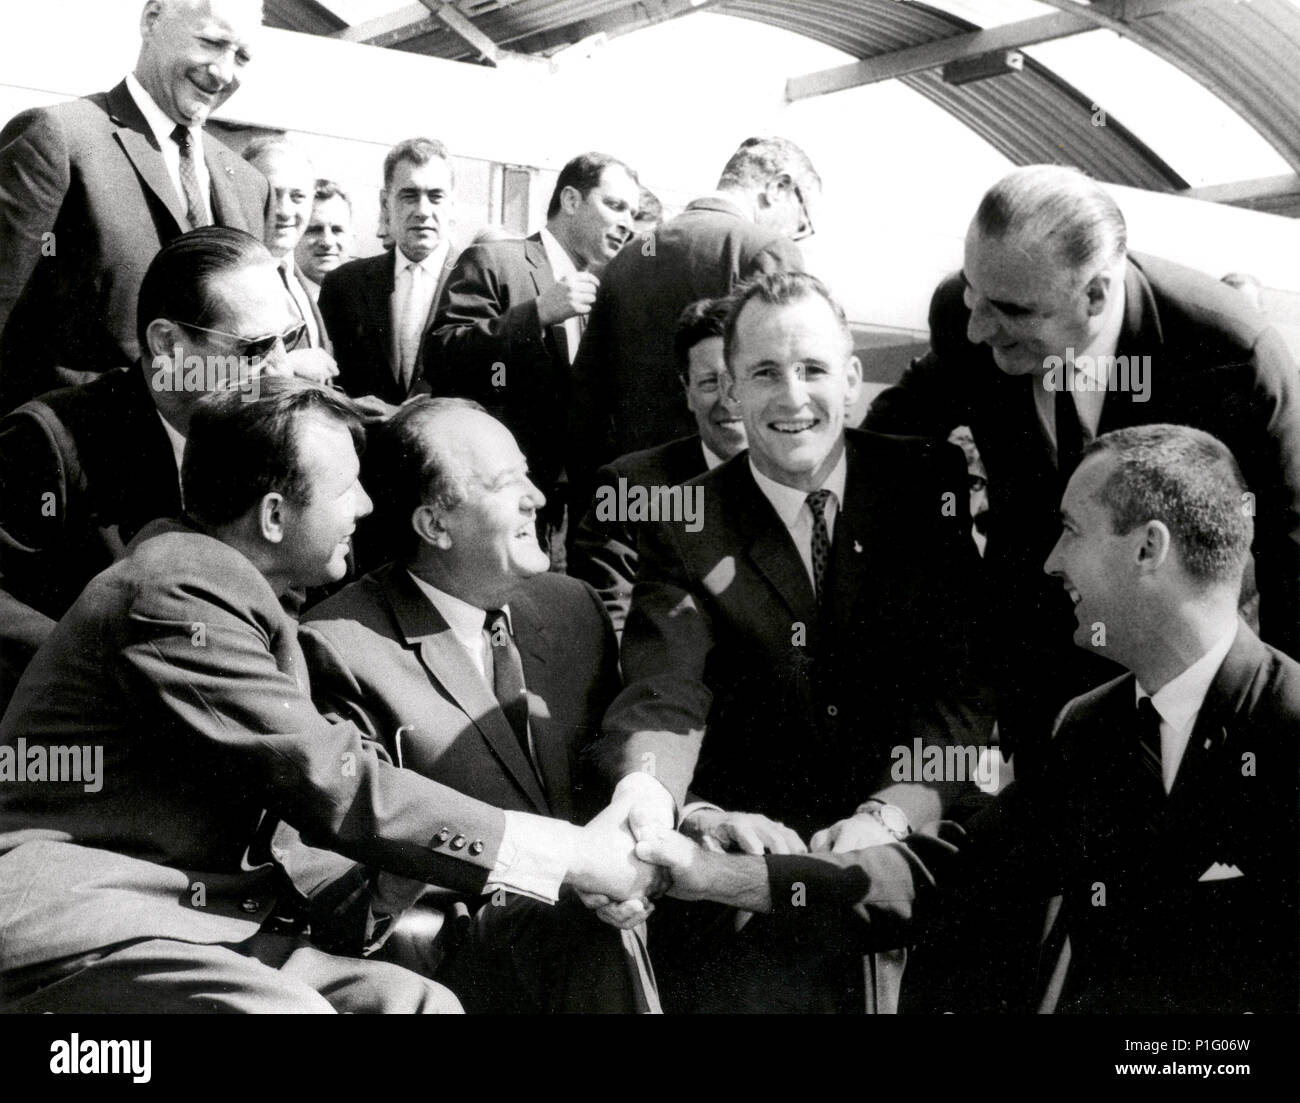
column 259, row 348
column 805, row 229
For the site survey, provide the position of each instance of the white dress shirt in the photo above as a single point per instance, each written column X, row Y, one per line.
column 1087, row 403
column 409, row 320
column 177, row 442
column 562, row 265
column 301, row 300
column 711, row 458
column 162, row 127
column 796, row 514
column 536, row 851
column 1179, row 704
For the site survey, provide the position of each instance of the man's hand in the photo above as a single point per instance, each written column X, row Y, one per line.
column 373, row 408
column 315, row 365
column 698, row 874
column 604, row 864
column 568, row 297
column 748, row 832
column 855, row 833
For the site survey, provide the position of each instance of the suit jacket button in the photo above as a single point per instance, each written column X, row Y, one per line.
column 476, row 848
column 458, row 842
column 249, row 906
column 832, row 711
column 442, row 836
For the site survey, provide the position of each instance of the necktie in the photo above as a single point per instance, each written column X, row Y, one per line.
column 1069, row 435
column 304, row 315
column 411, row 326
column 821, row 539
column 1148, row 729
column 196, row 211
column 508, row 675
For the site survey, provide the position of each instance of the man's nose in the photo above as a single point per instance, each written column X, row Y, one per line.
column 535, row 495
column 982, row 326
column 364, row 505
column 223, row 68
column 794, row 386
column 1052, row 566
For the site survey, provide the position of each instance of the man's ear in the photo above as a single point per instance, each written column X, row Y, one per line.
column 149, row 17
column 1156, row 546
column 430, row 526
column 162, row 336
column 853, row 382
column 771, row 193
column 1098, row 291
column 271, row 518
column 570, row 199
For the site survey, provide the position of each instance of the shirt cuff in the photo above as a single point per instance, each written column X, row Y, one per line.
column 535, row 854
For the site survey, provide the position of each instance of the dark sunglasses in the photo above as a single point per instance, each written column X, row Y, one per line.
column 259, row 348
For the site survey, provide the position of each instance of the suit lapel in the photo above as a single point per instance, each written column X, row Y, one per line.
column 1141, row 335
column 137, row 142
column 539, row 271
column 855, row 534
column 226, row 208
column 448, row 666
column 772, row 551
column 532, row 639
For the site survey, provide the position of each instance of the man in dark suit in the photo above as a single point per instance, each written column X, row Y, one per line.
column 604, row 548
column 782, row 649
column 376, row 309
column 84, row 468
column 1164, row 820
column 1052, row 334
column 511, row 316
column 292, row 179
column 478, row 668
column 623, row 377
column 161, row 755
column 91, row 189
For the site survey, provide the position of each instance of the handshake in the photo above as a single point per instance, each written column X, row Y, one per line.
column 630, row 853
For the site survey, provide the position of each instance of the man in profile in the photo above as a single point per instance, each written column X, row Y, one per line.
column 170, row 875
column 1162, row 826
column 90, row 190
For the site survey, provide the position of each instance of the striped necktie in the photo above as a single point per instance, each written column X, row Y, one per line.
column 196, row 210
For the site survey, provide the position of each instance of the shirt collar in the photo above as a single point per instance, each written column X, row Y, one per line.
column 464, row 619
column 787, row 501
column 432, row 264
column 159, row 121
column 711, row 458
column 558, row 256
column 1179, row 701
column 175, row 439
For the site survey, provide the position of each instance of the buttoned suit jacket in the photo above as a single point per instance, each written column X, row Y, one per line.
column 487, row 343
column 605, row 551
column 82, row 470
column 382, row 657
column 356, row 302
column 626, row 390
column 1148, row 931
column 180, row 663
column 85, row 204
column 1214, row 364
column 738, row 690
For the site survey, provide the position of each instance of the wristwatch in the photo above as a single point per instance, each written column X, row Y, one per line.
column 892, row 818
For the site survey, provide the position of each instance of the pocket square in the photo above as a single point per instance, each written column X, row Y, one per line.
column 1220, row 872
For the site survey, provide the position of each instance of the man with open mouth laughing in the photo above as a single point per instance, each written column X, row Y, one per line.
column 108, row 180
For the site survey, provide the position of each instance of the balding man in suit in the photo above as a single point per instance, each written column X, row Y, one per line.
column 91, row 189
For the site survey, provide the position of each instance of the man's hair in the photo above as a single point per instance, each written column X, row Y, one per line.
column 330, row 189
column 701, row 320
column 1189, row 480
column 239, row 450
column 406, row 469
column 584, row 172
column 177, row 284
column 759, row 159
column 780, row 289
column 648, row 208
column 419, row 151
column 267, row 145
column 1057, row 206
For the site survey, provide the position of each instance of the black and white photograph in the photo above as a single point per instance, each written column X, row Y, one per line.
column 782, row 508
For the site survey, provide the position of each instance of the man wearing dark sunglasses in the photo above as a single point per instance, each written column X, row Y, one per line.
column 84, row 468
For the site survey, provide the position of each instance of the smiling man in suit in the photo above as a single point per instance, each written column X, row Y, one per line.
column 783, row 646
column 1054, row 333
column 91, row 189
column 478, row 668
column 1164, row 819
column 512, row 315
column 376, row 309
column 604, row 546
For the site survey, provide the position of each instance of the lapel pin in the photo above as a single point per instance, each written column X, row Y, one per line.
column 857, row 546
column 230, row 171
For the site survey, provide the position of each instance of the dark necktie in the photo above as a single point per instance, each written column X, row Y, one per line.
column 196, row 210
column 508, row 675
column 1069, row 435
column 1148, row 729
column 821, row 539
